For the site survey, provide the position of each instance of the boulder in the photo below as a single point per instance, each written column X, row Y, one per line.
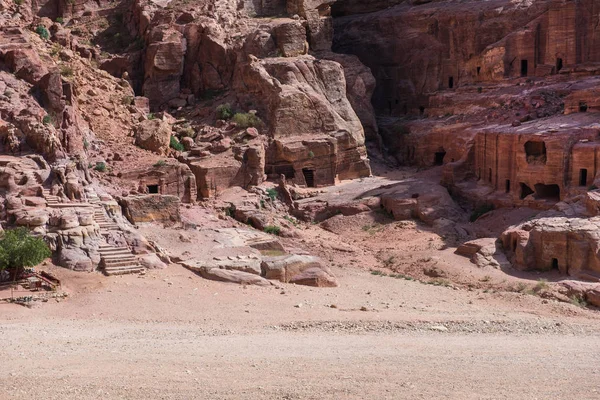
column 153, row 135
column 151, row 208
column 242, row 278
column 300, row 269
column 75, row 259
column 152, row 261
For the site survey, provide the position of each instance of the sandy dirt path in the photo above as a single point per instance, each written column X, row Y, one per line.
column 172, row 335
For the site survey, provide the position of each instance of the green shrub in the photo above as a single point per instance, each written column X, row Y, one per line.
column 151, row 116
column 479, row 211
column 174, row 143
column 59, row 20
column 311, row 154
column 42, row 31
column 19, row 249
column 592, row 187
column 479, row 89
column 86, row 144
column 247, row 120
column 272, row 193
column 224, row 111
column 161, row 163
column 47, row 120
column 100, row 167
column 273, row 230
column 66, row 71
column 18, row 2
column 127, row 100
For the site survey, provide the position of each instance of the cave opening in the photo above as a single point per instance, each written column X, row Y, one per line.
column 555, row 263
column 525, row 191
column 583, row 107
column 535, row 152
column 438, row 158
column 421, row 110
column 478, row 70
column 582, row 177
column 559, row 64
column 550, row 192
column 507, row 187
column 152, row 189
column 524, row 67
column 451, row 82
column 309, row 177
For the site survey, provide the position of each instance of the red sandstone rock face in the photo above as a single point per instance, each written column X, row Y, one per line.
column 442, row 44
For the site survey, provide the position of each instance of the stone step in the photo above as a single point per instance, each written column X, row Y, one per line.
column 117, row 256
column 129, row 269
column 124, row 252
column 113, row 264
column 111, row 247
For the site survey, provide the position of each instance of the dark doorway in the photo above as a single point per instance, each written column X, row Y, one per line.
column 523, row 67
column 582, row 177
column 451, row 82
column 421, row 110
column 550, row 192
column 489, row 175
column 507, row 186
column 583, row 106
column 478, row 70
column 309, row 177
column 535, row 152
column 152, row 189
column 559, row 64
column 525, row 191
column 439, row 158
column 554, row 263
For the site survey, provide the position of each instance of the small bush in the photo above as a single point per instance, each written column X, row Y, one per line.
column 479, row 211
column 86, row 144
column 19, row 249
column 100, row 167
column 59, row 20
column 161, row 163
column 18, row 2
column 56, row 48
column 273, row 230
column 592, row 187
column 42, row 31
column 47, row 120
column 311, row 154
column 479, row 89
column 578, row 301
column 127, row 100
column 66, row 71
column 224, row 111
column 542, row 284
column 151, row 116
column 174, row 144
column 247, row 120
column 272, row 193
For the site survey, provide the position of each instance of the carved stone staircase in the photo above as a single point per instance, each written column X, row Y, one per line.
column 106, row 224
column 53, row 201
column 118, row 260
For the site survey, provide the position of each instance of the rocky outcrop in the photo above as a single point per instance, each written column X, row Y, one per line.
column 153, row 135
column 298, row 269
column 569, row 245
column 151, row 208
